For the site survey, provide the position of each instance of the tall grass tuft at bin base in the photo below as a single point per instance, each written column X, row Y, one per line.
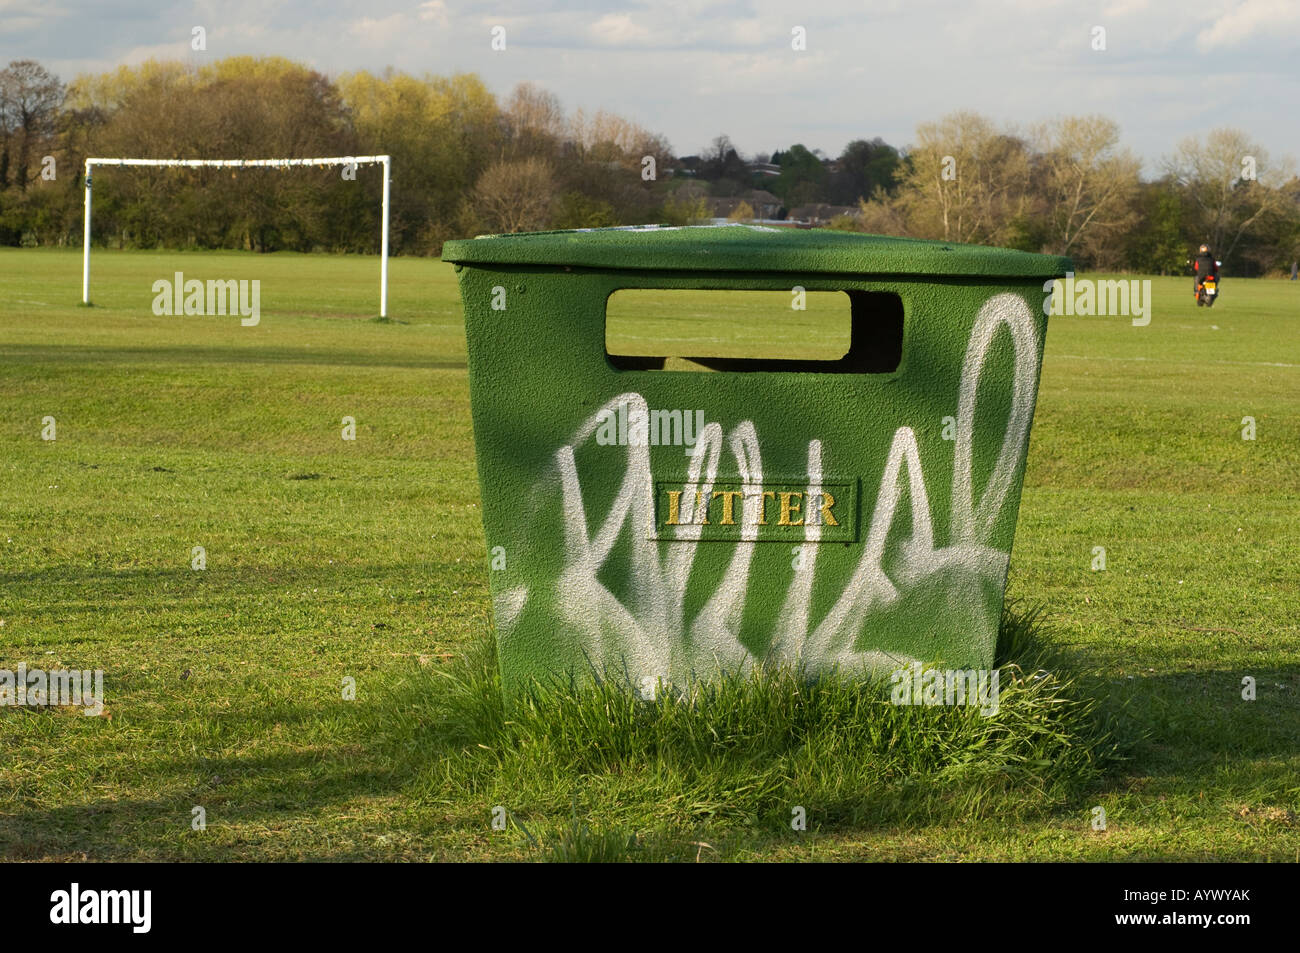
column 597, row 773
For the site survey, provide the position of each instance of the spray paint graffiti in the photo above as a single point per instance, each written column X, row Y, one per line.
column 647, row 630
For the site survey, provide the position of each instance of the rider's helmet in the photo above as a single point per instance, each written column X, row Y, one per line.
column 1204, row 249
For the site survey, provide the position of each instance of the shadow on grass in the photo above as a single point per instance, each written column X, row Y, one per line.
column 286, row 801
column 1197, row 731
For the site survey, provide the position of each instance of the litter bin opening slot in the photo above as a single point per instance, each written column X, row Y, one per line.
column 798, row 331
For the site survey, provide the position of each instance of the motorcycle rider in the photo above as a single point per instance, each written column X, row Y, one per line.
column 1205, row 266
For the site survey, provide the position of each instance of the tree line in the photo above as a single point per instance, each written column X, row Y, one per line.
column 467, row 162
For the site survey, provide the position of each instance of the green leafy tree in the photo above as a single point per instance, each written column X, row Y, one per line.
column 802, row 179
column 722, row 166
column 1156, row 244
column 581, row 211
column 685, row 207
column 743, row 212
column 442, row 132
column 865, row 166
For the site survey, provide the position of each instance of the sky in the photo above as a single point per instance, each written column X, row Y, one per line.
column 692, row 69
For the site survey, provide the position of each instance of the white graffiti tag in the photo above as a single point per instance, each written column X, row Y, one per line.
column 648, row 630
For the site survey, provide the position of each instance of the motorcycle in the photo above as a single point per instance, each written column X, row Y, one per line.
column 1207, row 291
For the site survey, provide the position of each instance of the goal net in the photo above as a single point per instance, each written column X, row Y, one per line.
column 249, row 164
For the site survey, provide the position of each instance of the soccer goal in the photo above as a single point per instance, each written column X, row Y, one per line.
column 352, row 161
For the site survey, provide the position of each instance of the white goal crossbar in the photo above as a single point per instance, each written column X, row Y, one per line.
column 385, row 161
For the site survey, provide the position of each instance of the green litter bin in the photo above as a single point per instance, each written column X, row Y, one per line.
column 657, row 525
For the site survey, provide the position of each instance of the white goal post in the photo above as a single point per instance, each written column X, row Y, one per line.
column 385, row 161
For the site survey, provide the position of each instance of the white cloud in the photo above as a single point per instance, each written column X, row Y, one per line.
column 618, row 29
column 436, row 11
column 380, row 34
column 1124, row 8
column 1247, row 20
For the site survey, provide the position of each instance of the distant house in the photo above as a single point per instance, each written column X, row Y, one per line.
column 724, row 208
column 770, row 169
column 765, row 205
column 819, row 213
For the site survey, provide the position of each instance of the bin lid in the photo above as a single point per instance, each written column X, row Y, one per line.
column 751, row 248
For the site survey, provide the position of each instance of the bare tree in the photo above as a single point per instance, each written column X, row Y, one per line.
column 516, row 195
column 883, row 214
column 534, row 122
column 1230, row 183
column 966, row 181
column 30, row 97
column 1086, row 180
column 609, row 138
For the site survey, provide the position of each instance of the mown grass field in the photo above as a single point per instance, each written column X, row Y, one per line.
column 329, row 559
